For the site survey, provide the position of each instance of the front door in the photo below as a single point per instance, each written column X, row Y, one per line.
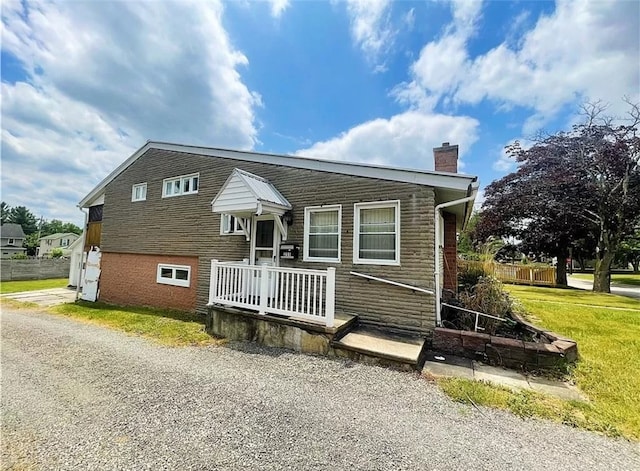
column 264, row 241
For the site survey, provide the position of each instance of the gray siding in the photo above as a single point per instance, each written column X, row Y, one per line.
column 185, row 225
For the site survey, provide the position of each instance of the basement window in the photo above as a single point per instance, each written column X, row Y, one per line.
column 183, row 185
column 177, row 275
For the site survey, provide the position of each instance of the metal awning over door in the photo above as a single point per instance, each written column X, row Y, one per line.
column 245, row 195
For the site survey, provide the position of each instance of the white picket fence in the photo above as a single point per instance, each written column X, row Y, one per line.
column 303, row 294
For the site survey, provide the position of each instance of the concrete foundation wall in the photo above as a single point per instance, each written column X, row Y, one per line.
column 130, row 279
column 233, row 325
column 33, row 269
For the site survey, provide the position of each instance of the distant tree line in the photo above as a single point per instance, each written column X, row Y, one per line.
column 33, row 227
column 574, row 193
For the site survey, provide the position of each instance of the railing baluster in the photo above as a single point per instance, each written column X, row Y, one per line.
column 315, row 292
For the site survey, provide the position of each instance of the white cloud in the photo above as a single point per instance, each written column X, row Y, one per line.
column 581, row 50
column 371, row 27
column 404, row 140
column 278, row 7
column 410, row 19
column 103, row 77
column 441, row 65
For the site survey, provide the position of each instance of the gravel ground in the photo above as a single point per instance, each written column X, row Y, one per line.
column 76, row 396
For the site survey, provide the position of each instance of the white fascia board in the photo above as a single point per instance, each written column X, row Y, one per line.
column 96, row 192
column 453, row 181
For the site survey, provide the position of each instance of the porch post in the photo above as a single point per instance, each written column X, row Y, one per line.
column 264, row 289
column 331, row 296
column 213, row 280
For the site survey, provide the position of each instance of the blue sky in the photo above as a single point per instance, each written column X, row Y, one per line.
column 84, row 84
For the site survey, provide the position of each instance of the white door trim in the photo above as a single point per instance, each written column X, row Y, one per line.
column 276, row 238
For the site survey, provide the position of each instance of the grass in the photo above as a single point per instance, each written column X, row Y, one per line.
column 607, row 372
column 632, row 279
column 173, row 328
column 7, row 287
column 527, row 404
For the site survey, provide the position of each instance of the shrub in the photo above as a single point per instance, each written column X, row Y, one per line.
column 469, row 275
column 19, row 256
column 56, row 253
column 489, row 297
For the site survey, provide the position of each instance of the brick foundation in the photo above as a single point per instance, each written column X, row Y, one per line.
column 511, row 353
column 130, row 279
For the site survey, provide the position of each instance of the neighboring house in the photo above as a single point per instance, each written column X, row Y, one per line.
column 338, row 237
column 11, row 239
column 63, row 241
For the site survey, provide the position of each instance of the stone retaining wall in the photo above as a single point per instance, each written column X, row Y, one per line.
column 34, row 269
column 552, row 352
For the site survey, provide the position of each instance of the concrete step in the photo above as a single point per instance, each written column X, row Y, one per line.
column 374, row 343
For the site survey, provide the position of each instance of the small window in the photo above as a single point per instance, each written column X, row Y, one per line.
column 177, row 275
column 376, row 233
column 139, row 192
column 12, row 241
column 230, row 225
column 322, row 226
column 185, row 185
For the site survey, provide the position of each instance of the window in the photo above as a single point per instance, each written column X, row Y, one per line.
column 185, row 185
column 229, row 225
column 139, row 192
column 178, row 275
column 64, row 242
column 322, row 225
column 376, row 233
column 12, row 241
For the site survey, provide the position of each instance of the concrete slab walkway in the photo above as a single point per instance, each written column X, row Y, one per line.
column 619, row 289
column 440, row 366
column 44, row 297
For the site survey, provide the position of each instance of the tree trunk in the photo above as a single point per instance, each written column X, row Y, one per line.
column 602, row 272
column 561, row 269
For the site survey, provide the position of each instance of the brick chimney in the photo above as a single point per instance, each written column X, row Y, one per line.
column 446, row 158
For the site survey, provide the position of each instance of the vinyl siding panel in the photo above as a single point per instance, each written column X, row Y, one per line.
column 186, row 226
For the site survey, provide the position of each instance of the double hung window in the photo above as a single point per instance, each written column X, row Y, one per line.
column 322, row 226
column 376, row 233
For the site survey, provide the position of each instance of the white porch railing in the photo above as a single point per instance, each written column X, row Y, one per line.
column 293, row 292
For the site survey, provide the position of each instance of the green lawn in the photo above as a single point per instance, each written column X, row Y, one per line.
column 626, row 279
column 607, row 329
column 608, row 343
column 31, row 285
column 174, row 328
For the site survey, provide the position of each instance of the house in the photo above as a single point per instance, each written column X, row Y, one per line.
column 11, row 239
column 63, row 241
column 193, row 228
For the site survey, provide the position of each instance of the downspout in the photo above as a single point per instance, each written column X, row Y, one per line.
column 437, row 248
column 84, row 238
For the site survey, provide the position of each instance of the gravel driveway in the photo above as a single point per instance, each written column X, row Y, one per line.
column 76, row 396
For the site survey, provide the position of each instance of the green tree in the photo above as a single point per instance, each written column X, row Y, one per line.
column 466, row 242
column 4, row 212
column 570, row 186
column 629, row 251
column 56, row 226
column 31, row 244
column 21, row 215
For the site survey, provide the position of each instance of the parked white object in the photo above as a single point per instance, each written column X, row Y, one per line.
column 91, row 276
